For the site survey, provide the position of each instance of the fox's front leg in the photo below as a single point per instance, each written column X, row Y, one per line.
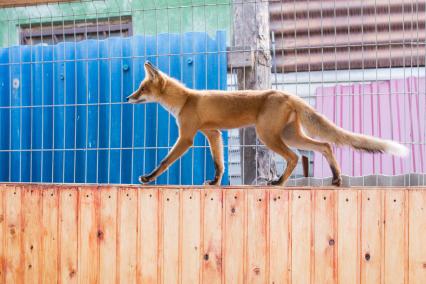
column 216, row 148
column 180, row 147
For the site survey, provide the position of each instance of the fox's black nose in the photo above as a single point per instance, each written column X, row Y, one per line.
column 127, row 99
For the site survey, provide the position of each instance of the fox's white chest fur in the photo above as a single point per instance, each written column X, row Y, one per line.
column 173, row 109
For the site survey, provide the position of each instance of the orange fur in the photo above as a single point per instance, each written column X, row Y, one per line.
column 280, row 119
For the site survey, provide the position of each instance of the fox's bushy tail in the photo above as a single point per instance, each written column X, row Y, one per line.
column 318, row 125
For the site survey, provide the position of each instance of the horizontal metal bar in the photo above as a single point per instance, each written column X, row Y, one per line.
column 163, row 147
column 125, row 103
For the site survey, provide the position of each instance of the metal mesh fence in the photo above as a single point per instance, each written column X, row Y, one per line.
column 66, row 68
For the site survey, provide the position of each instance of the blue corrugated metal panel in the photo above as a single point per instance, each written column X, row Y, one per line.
column 70, row 112
column 58, row 112
column 15, row 118
column 64, row 117
column 4, row 114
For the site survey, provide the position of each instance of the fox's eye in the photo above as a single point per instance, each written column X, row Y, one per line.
column 142, row 89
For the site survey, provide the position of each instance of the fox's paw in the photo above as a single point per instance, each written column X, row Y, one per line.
column 211, row 182
column 273, row 182
column 337, row 181
column 144, row 179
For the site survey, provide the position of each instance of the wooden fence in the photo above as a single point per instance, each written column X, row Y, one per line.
column 103, row 234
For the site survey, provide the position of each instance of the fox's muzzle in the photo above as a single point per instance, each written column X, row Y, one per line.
column 131, row 98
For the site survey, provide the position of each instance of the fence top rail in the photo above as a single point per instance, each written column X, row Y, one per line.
column 201, row 188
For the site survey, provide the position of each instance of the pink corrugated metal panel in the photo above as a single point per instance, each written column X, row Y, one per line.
column 393, row 109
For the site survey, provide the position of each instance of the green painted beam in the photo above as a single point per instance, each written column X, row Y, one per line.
column 148, row 17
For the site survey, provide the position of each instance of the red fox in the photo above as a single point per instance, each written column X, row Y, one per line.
column 280, row 119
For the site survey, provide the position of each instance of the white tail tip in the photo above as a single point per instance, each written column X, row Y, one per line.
column 396, row 149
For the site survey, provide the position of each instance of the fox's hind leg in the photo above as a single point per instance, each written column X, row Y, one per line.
column 272, row 139
column 294, row 136
column 216, row 148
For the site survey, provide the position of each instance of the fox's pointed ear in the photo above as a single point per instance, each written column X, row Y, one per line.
column 151, row 71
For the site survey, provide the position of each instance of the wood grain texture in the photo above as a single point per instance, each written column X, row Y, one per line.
column 324, row 237
column 279, row 249
column 301, row 236
column 257, row 203
column 148, row 236
column 371, row 236
column 88, row 236
column 31, row 237
column 170, row 229
column 110, row 234
column 127, row 234
column 191, row 236
column 212, row 236
column 14, row 265
column 417, row 233
column 348, row 237
column 13, row 251
column 395, row 237
column 2, row 235
column 68, row 239
column 234, row 228
column 49, row 235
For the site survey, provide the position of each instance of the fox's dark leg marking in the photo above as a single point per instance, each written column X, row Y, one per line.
column 337, row 180
column 217, row 175
column 144, row 179
column 275, row 181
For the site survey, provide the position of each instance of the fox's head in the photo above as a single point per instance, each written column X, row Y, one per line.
column 151, row 87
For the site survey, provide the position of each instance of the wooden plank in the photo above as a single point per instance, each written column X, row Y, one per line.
column 88, row 245
column 50, row 219
column 160, row 237
column 396, row 243
column 68, row 204
column 250, row 26
column 240, row 57
column 107, row 235
column 279, row 249
column 212, row 236
column 148, row 236
column 2, row 235
column 371, row 236
column 170, row 245
column 234, row 229
column 13, row 235
column 257, row 203
column 324, row 237
column 16, row 3
column 127, row 223
column 417, row 233
column 301, row 236
column 348, row 243
column 31, row 237
column 191, row 236
column 197, row 223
